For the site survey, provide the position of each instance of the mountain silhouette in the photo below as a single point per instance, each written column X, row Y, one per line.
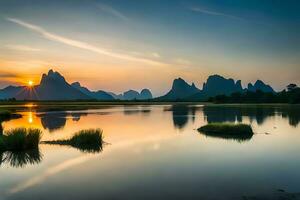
column 99, row 95
column 215, row 85
column 116, row 96
column 10, row 91
column 180, row 90
column 133, row 95
column 53, row 86
column 260, row 85
column 145, row 94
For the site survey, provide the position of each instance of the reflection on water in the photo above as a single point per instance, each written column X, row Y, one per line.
column 20, row 159
column 132, row 110
column 181, row 114
column 255, row 113
column 56, row 120
column 148, row 159
column 53, row 120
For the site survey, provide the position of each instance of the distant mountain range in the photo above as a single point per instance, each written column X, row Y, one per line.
column 215, row 85
column 53, row 86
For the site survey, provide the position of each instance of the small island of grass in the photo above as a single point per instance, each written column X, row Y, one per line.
column 228, row 131
column 90, row 140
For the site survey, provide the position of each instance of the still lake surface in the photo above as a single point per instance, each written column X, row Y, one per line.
column 155, row 152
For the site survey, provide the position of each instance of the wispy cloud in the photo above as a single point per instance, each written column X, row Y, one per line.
column 7, row 75
column 112, row 11
column 155, row 55
column 21, row 47
column 83, row 45
column 182, row 61
column 215, row 13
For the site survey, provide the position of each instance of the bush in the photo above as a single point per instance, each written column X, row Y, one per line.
column 90, row 140
column 227, row 130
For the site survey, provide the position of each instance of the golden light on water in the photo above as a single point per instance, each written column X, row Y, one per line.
column 30, row 117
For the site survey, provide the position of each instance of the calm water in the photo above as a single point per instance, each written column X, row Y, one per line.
column 155, row 152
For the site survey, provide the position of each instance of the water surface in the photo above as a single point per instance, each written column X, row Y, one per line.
column 155, row 152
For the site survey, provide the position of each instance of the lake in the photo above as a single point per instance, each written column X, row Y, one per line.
column 156, row 152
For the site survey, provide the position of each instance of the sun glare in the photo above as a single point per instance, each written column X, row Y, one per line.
column 30, row 83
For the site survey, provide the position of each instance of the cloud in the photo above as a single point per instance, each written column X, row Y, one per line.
column 155, row 55
column 5, row 74
column 182, row 61
column 83, row 45
column 215, row 13
column 21, row 47
column 110, row 10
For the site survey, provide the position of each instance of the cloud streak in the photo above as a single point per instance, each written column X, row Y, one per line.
column 21, row 47
column 215, row 13
column 110, row 10
column 82, row 45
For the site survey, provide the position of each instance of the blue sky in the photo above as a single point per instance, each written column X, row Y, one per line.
column 124, row 44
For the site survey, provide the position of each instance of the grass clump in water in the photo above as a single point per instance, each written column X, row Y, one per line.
column 20, row 139
column 228, row 131
column 90, row 140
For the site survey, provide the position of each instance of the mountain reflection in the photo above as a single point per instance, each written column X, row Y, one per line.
column 57, row 120
column 76, row 116
column 255, row 113
column 20, row 159
column 182, row 113
column 132, row 110
column 53, row 120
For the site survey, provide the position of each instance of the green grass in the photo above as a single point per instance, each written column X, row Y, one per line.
column 228, row 131
column 90, row 140
column 20, row 139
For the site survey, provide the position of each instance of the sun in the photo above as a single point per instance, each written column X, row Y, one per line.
column 30, row 83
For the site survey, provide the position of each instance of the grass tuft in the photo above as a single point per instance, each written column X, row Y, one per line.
column 90, row 140
column 228, row 131
column 20, row 139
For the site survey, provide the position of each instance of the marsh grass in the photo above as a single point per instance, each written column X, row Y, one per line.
column 90, row 140
column 20, row 159
column 20, row 139
column 228, row 131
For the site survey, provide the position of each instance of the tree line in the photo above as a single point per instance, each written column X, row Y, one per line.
column 290, row 95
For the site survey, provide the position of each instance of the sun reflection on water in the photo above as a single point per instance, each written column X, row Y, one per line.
column 30, row 117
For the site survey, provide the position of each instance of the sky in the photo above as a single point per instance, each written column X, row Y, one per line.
column 116, row 45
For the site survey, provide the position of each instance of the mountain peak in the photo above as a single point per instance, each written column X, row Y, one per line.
column 260, row 85
column 76, row 84
column 217, row 85
column 145, row 94
column 259, row 82
column 179, row 82
column 52, row 76
column 180, row 89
